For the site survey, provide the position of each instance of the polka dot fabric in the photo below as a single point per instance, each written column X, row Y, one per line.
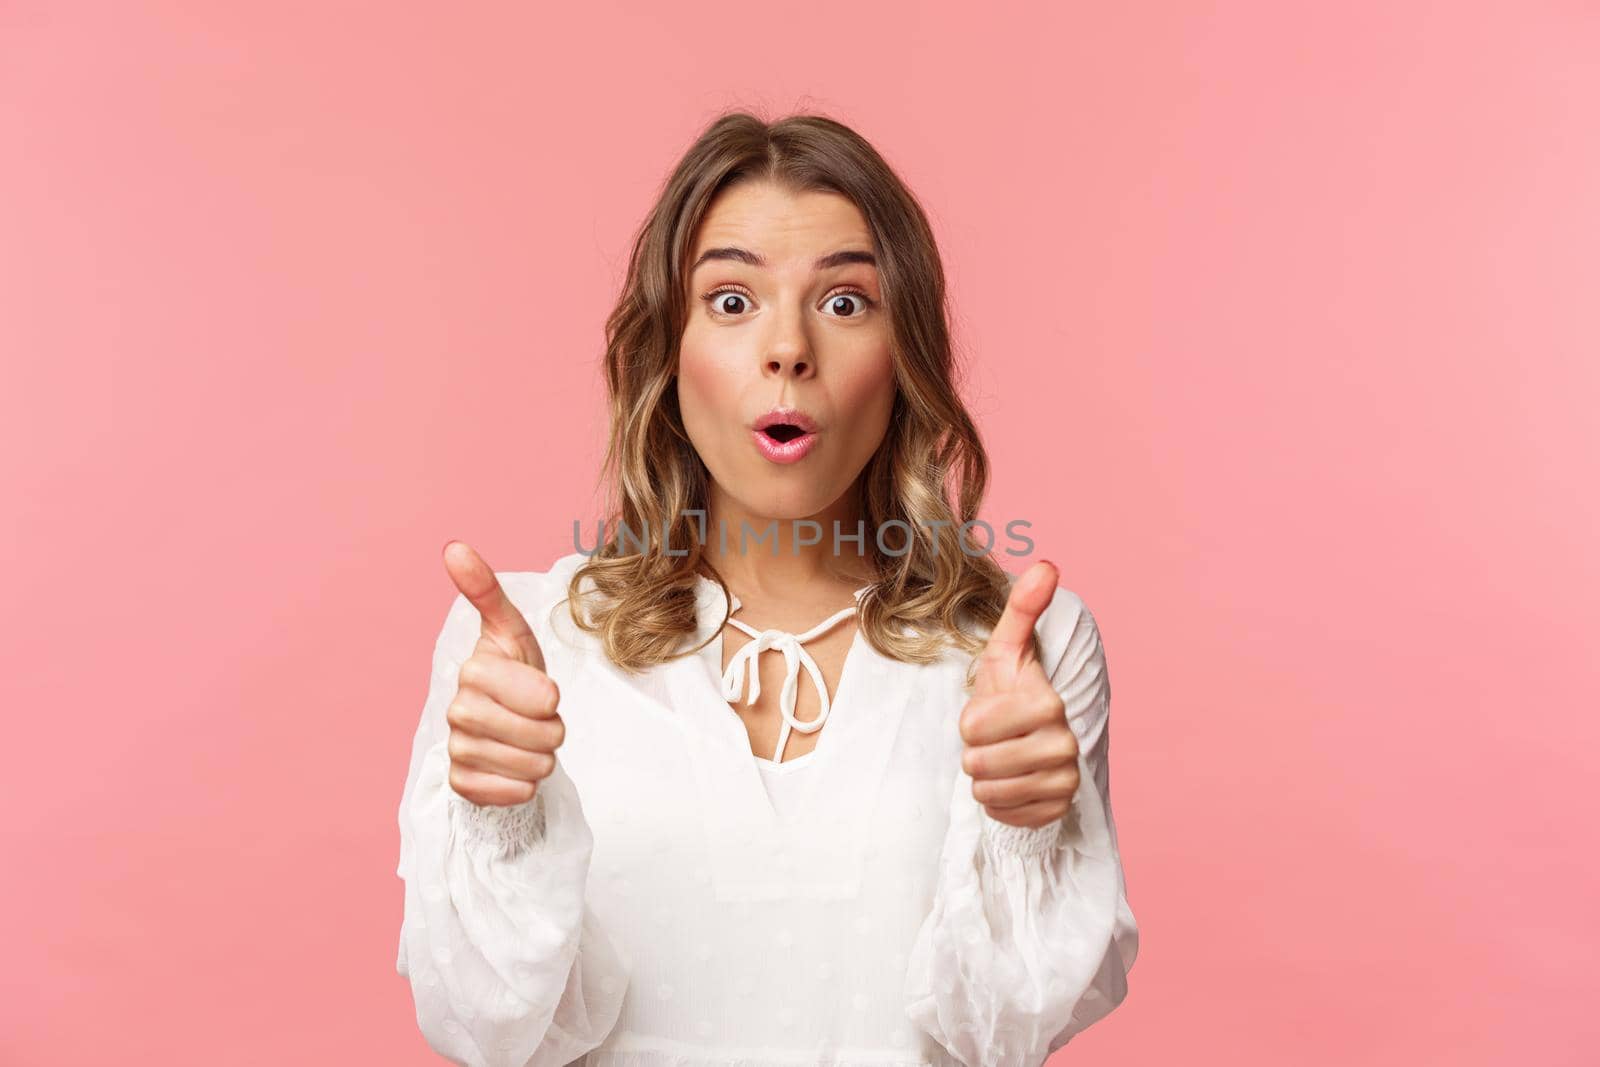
column 670, row 898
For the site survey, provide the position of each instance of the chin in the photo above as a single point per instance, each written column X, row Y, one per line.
column 784, row 503
column 788, row 510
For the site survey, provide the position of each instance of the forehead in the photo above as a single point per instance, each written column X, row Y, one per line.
column 781, row 224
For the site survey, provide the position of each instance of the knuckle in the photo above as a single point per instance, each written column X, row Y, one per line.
column 524, row 791
column 506, row 730
column 541, row 764
column 559, row 729
column 473, row 672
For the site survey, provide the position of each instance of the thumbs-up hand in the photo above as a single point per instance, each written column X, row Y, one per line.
column 1020, row 751
column 504, row 730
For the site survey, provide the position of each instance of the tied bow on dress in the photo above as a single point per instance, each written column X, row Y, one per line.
column 791, row 645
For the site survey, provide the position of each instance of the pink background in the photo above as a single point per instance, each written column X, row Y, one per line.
column 1283, row 327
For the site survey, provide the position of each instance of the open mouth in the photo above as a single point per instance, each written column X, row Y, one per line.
column 783, row 432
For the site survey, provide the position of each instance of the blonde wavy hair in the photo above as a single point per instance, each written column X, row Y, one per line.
column 643, row 605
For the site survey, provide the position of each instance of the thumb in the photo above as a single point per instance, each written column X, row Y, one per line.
column 501, row 623
column 1010, row 647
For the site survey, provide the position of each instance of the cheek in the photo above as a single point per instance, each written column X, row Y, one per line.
column 700, row 375
column 707, row 385
column 866, row 390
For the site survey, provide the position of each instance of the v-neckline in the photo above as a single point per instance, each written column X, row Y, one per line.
column 740, row 734
column 750, row 853
column 710, row 602
column 755, row 854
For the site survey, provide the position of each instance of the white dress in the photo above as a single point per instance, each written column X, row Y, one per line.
column 670, row 898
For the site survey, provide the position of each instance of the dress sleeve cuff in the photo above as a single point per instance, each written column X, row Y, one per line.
column 1021, row 840
column 501, row 830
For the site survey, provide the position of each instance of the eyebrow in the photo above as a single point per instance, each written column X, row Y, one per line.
column 741, row 255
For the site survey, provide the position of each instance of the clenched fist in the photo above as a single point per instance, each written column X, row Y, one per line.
column 504, row 730
column 1020, row 751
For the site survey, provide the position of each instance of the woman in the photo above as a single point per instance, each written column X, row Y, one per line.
column 932, row 878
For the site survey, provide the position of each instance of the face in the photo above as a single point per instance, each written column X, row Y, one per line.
column 785, row 312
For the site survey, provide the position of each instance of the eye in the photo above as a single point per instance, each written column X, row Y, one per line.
column 719, row 303
column 843, row 295
column 733, row 301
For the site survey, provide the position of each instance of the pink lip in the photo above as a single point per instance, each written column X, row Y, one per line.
column 792, row 416
column 791, row 451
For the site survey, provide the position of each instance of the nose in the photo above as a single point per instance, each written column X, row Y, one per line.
column 789, row 365
column 789, row 355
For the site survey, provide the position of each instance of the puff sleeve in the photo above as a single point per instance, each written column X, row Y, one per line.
column 1030, row 937
column 507, row 963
